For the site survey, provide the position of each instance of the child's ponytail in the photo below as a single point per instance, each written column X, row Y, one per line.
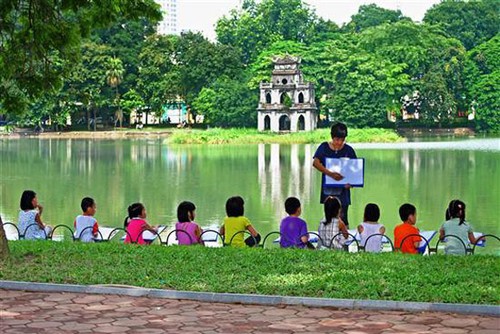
column 456, row 209
column 135, row 210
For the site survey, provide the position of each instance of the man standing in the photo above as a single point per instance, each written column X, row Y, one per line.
column 336, row 148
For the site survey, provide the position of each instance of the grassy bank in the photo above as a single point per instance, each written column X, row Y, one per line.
column 388, row 276
column 252, row 136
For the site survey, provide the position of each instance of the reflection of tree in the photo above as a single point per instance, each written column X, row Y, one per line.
column 118, row 173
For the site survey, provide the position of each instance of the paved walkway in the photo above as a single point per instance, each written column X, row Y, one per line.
column 29, row 312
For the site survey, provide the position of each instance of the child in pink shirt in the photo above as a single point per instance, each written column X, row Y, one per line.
column 137, row 224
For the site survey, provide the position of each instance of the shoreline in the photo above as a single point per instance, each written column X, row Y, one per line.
column 404, row 133
column 87, row 134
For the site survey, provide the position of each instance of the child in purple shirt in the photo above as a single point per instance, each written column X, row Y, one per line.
column 293, row 230
column 187, row 231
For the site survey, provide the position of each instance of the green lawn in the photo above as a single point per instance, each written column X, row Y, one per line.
column 252, row 136
column 293, row 272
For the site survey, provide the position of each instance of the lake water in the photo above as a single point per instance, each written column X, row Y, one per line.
column 118, row 173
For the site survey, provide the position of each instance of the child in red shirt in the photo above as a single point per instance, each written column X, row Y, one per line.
column 407, row 230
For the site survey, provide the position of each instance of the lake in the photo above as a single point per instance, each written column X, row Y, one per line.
column 117, row 173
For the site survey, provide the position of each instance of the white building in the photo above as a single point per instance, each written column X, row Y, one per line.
column 168, row 26
column 287, row 102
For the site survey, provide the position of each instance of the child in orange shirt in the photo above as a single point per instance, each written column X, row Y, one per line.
column 408, row 215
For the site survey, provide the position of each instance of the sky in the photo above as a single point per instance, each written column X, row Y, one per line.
column 202, row 15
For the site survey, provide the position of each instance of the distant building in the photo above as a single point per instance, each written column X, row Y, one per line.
column 168, row 26
column 174, row 112
column 287, row 103
column 410, row 106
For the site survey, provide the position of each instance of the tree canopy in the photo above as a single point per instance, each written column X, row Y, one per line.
column 40, row 41
column 100, row 62
column 471, row 22
column 258, row 25
column 372, row 16
column 483, row 83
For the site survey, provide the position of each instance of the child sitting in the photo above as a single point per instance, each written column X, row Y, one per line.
column 456, row 225
column 332, row 225
column 86, row 226
column 293, row 230
column 30, row 220
column 369, row 227
column 407, row 231
column 137, row 224
column 192, row 231
column 235, row 224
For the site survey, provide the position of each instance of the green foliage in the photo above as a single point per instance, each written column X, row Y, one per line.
column 199, row 63
column 132, row 100
column 87, row 82
column 364, row 88
column 252, row 136
column 257, row 26
column 40, row 42
column 360, row 72
column 158, row 76
column 126, row 39
column 260, row 69
column 483, row 81
column 286, row 272
column 371, row 16
column 471, row 22
column 114, row 77
column 432, row 62
column 228, row 103
column 172, row 67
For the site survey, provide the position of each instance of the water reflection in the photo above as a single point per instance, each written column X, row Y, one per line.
column 117, row 173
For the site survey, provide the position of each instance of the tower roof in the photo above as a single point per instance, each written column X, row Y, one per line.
column 287, row 59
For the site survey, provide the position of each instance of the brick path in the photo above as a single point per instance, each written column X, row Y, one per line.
column 28, row 312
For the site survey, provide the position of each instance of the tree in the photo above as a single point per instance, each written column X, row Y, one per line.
column 257, row 26
column 51, row 106
column 200, row 63
column 260, row 69
column 438, row 104
column 125, row 40
column 132, row 101
column 372, row 16
column 173, row 67
column 471, row 22
column 364, row 88
column 86, row 83
column 228, row 102
column 433, row 62
column 114, row 76
column 158, row 74
column 482, row 76
column 40, row 41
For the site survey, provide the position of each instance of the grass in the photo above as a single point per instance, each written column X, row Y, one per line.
column 252, row 136
column 291, row 272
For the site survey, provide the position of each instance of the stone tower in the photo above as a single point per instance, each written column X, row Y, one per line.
column 287, row 102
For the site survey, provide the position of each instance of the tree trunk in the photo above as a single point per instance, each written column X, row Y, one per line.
column 120, row 113
column 95, row 119
column 88, row 117
column 4, row 246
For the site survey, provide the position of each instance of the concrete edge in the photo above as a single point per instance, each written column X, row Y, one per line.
column 380, row 305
